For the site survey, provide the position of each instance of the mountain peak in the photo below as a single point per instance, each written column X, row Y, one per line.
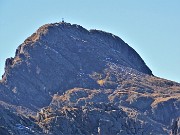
column 62, row 50
column 65, row 79
column 63, row 33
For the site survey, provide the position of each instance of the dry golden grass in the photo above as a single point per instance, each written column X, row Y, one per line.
column 101, row 82
column 161, row 99
column 34, row 37
column 16, row 60
column 48, row 120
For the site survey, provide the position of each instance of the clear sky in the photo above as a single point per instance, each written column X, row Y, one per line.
column 151, row 27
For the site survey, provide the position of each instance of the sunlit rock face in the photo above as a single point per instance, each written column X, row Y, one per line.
column 65, row 79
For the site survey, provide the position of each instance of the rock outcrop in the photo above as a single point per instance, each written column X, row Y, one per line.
column 175, row 126
column 65, row 79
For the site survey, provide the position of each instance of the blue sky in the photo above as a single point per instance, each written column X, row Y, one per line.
column 151, row 27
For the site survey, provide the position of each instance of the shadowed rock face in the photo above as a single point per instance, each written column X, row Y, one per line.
column 63, row 56
column 84, row 82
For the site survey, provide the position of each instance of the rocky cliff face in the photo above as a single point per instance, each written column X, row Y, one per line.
column 65, row 79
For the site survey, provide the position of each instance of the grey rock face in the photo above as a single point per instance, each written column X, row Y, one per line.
column 175, row 126
column 62, row 56
column 65, row 79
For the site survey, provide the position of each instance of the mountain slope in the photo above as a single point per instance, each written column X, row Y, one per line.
column 73, row 78
column 58, row 54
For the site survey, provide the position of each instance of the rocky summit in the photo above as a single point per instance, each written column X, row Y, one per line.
column 67, row 80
